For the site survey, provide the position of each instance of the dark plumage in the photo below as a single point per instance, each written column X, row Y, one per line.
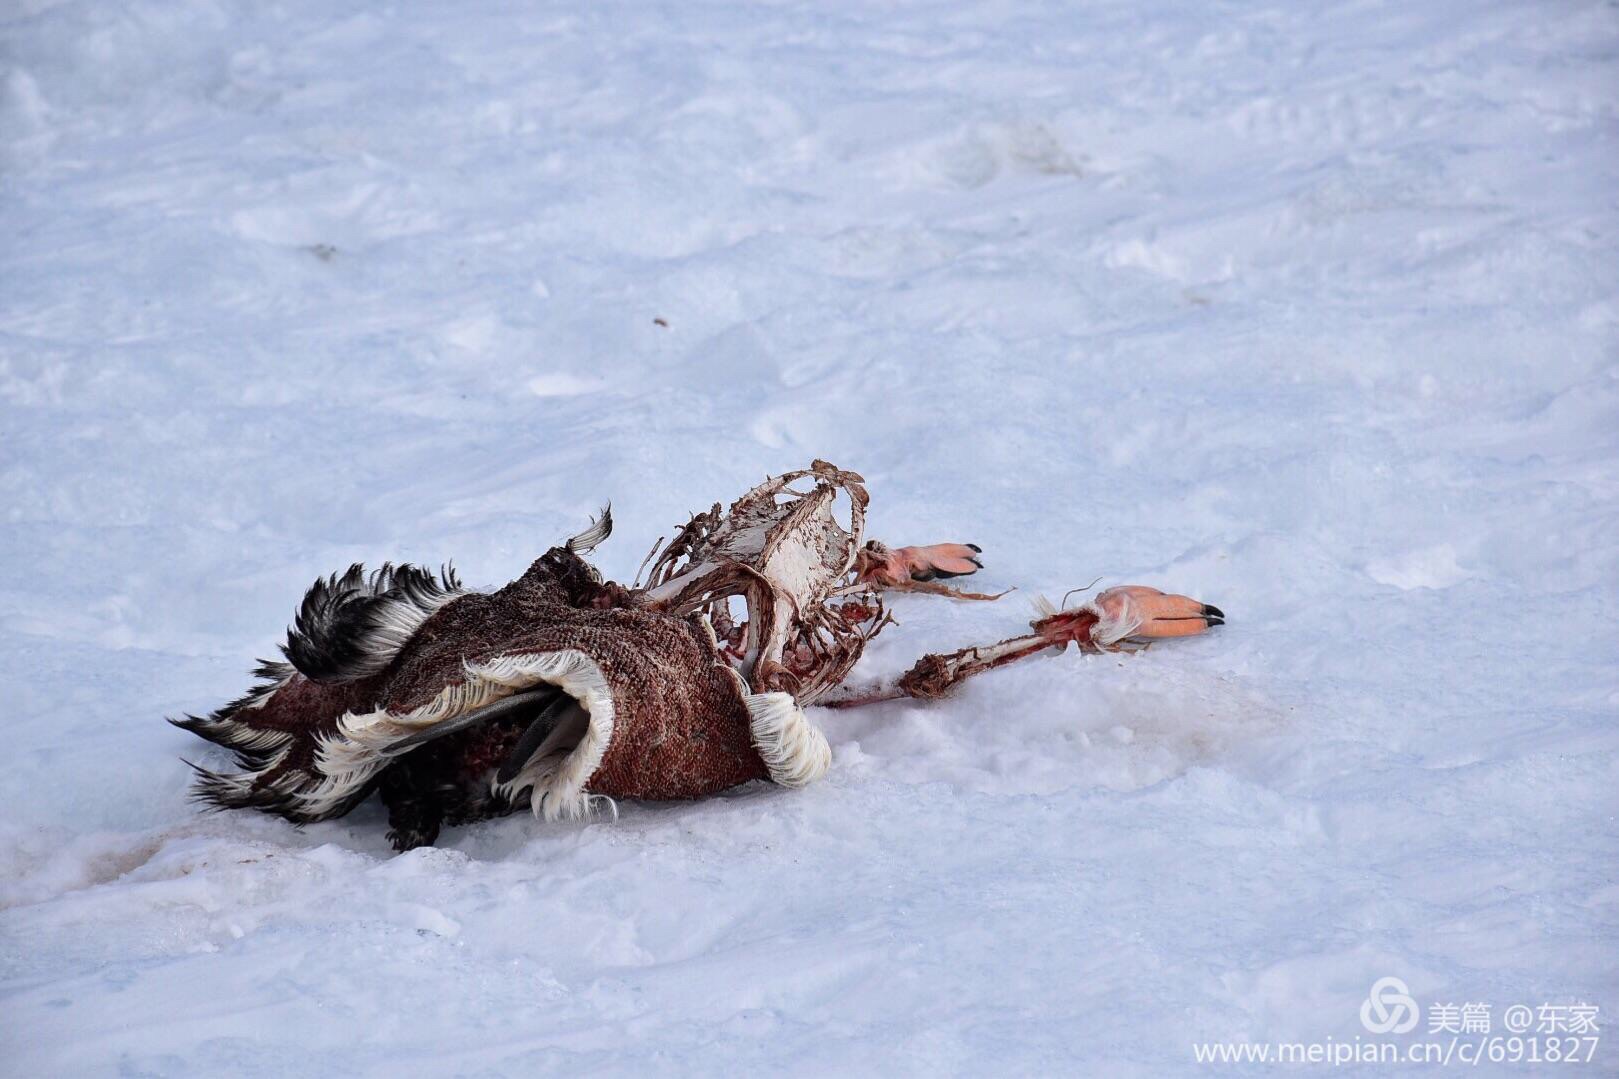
column 352, row 625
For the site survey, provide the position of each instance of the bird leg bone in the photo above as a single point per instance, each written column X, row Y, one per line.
column 1116, row 618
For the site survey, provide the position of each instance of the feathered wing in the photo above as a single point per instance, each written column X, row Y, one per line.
column 347, row 630
column 660, row 714
column 353, row 625
column 232, row 728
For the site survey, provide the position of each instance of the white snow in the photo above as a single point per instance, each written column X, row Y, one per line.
column 1311, row 311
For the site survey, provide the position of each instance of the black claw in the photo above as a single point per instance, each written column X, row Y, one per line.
column 1211, row 612
column 975, row 547
column 1215, row 620
column 976, row 562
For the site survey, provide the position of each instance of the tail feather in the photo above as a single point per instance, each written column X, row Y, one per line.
column 352, row 626
column 348, row 626
column 601, row 526
column 231, row 725
column 253, row 746
column 276, row 787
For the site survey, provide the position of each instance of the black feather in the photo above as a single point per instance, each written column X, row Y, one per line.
column 340, row 632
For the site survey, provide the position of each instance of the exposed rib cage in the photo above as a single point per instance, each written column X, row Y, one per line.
column 782, row 550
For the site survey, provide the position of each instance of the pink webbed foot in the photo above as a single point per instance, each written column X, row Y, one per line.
column 916, row 569
column 894, row 567
column 1129, row 614
column 1157, row 614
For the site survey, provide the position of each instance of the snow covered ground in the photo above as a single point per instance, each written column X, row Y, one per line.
column 1309, row 310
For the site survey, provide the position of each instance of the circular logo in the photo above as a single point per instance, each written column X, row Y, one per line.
column 1389, row 1009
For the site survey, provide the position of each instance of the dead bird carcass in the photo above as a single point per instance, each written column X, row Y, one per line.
column 561, row 689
